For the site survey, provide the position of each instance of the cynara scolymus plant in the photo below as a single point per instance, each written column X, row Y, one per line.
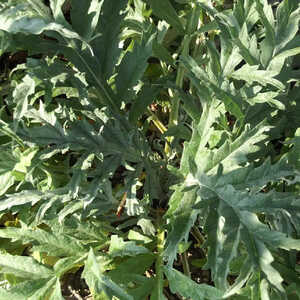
column 144, row 142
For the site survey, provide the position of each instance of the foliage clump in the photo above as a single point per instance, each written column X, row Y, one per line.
column 149, row 149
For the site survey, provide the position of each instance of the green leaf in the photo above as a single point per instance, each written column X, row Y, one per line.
column 294, row 157
column 106, row 44
column 51, row 243
column 22, row 266
column 145, row 97
column 8, row 295
column 187, row 288
column 6, row 181
column 278, row 60
column 157, row 294
column 162, row 53
column 85, row 17
column 229, row 59
column 14, row 165
column 57, row 294
column 251, row 74
column 195, row 72
column 225, row 222
column 133, row 66
column 27, row 18
column 255, row 179
column 287, row 24
column 24, row 19
column 21, row 95
column 56, row 7
column 127, row 270
column 136, row 236
column 147, row 226
column 223, row 229
column 244, row 274
column 261, row 256
column 235, row 223
column 261, row 232
column 267, row 46
column 81, row 135
column 6, row 130
column 181, row 217
column 230, row 156
column 130, row 273
column 65, row 264
column 100, row 284
column 120, row 248
column 44, row 291
column 267, row 97
column 24, row 290
column 165, row 10
column 179, row 131
column 24, row 197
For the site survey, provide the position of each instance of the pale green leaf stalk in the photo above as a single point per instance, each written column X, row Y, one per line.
column 157, row 293
column 192, row 25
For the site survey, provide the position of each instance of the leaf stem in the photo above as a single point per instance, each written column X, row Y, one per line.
column 159, row 261
column 185, row 264
column 199, row 238
column 173, row 118
column 185, row 46
column 160, row 126
column 198, row 235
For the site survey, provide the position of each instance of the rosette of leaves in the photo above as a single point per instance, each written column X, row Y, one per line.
column 69, row 131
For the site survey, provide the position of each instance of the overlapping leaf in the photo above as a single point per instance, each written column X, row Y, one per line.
column 181, row 284
column 51, row 243
column 26, row 267
column 100, row 284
